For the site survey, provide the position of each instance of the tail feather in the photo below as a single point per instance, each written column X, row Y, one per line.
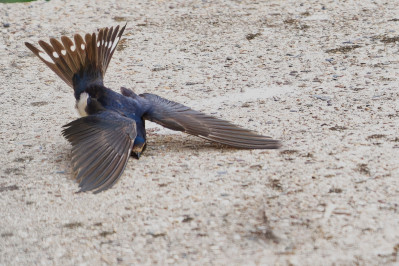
column 64, row 56
column 91, row 49
column 86, row 56
column 49, row 62
column 80, row 48
column 68, row 44
column 107, row 40
column 57, row 58
column 101, row 36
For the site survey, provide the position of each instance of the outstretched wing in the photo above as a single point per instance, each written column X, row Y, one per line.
column 176, row 116
column 101, row 146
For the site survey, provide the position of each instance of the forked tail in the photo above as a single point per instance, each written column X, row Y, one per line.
column 82, row 62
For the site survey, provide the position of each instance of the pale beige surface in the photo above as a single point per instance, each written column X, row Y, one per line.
column 329, row 196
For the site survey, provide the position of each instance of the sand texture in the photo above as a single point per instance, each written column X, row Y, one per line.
column 321, row 76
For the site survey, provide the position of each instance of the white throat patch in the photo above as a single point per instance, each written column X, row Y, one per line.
column 82, row 103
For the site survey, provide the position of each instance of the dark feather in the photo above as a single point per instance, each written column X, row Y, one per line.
column 178, row 117
column 73, row 55
column 101, row 146
column 80, row 48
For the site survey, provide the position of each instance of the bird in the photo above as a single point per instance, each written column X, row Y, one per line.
column 112, row 125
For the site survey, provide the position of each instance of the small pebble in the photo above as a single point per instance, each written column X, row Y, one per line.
column 321, row 97
column 158, row 68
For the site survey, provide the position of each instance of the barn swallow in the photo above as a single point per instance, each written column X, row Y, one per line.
column 112, row 126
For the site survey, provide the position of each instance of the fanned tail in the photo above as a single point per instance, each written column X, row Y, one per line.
column 82, row 61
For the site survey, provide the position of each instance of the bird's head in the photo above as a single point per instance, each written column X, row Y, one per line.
column 139, row 146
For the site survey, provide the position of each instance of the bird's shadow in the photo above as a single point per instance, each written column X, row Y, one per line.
column 168, row 143
column 177, row 142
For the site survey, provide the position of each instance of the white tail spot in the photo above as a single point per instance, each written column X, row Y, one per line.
column 45, row 57
column 106, row 44
column 98, row 44
column 63, row 52
column 82, row 46
column 110, row 44
column 115, row 43
column 55, row 55
column 73, row 48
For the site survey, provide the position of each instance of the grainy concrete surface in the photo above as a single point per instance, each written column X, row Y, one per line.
column 322, row 76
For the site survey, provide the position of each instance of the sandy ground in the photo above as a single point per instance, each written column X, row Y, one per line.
column 319, row 75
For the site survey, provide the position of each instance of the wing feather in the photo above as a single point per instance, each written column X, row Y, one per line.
column 178, row 117
column 101, row 146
